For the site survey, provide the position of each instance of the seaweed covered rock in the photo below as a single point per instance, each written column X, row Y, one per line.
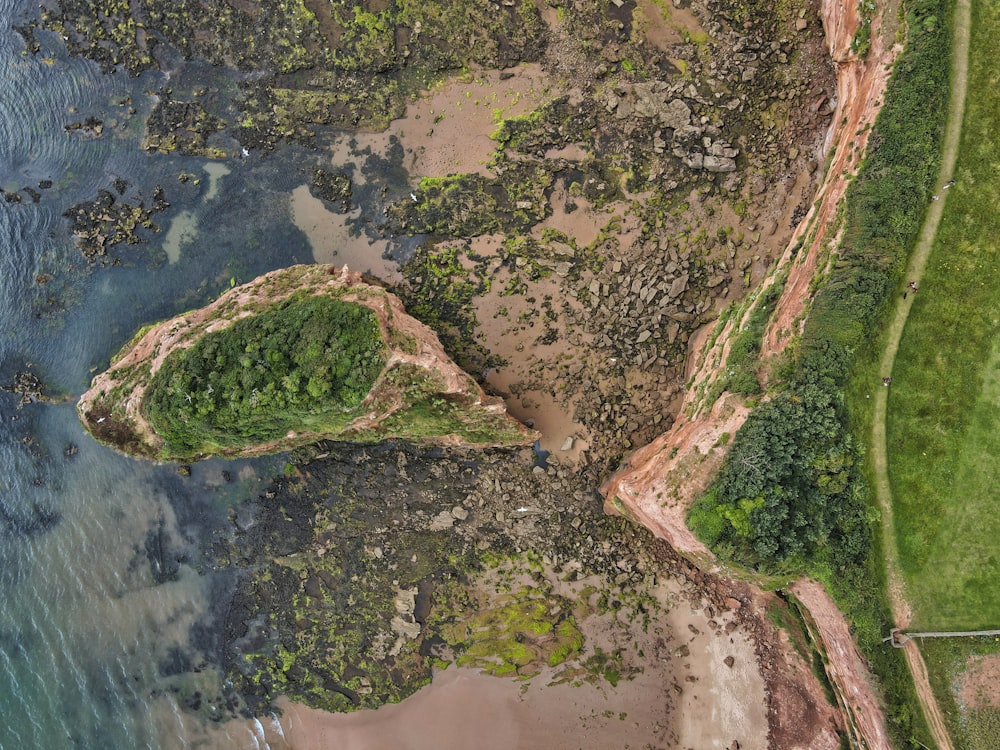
column 298, row 355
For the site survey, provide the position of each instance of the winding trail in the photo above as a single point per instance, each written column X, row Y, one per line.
column 897, row 600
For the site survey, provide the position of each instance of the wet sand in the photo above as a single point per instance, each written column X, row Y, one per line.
column 334, row 241
column 447, row 131
column 465, row 709
column 676, row 687
column 676, row 691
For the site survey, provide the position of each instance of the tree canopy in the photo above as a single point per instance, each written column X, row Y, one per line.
column 303, row 363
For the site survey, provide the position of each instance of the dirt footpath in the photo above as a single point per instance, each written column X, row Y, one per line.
column 880, row 460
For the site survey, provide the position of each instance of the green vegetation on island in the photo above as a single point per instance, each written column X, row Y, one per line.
column 306, row 363
column 296, row 356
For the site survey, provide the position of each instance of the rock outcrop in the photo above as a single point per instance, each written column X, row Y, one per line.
column 416, row 369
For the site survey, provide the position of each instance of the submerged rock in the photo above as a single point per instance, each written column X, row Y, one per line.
column 298, row 355
column 27, row 386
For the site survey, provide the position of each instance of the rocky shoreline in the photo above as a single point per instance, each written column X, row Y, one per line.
column 481, row 514
column 677, row 148
column 113, row 409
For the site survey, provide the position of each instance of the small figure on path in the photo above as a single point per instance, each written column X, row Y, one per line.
column 950, row 183
column 913, row 285
column 904, row 295
column 935, row 197
column 886, row 381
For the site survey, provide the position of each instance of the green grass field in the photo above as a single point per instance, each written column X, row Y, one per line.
column 944, row 407
column 947, row 659
column 943, row 422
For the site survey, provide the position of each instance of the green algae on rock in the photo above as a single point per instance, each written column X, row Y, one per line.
column 344, row 64
column 298, row 355
column 108, row 221
column 368, row 567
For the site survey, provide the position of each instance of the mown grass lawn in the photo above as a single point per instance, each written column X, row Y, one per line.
column 944, row 407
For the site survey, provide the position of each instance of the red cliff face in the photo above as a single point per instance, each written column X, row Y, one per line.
column 658, row 482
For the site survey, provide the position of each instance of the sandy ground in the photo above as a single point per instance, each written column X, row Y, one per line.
column 978, row 686
column 714, row 697
column 464, row 709
column 677, row 691
column 682, row 695
column 334, row 241
column 448, row 130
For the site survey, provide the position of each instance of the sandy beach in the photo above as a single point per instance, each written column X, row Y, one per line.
column 689, row 678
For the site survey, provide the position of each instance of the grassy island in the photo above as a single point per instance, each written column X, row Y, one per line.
column 299, row 355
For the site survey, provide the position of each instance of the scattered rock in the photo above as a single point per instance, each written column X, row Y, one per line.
column 27, row 386
column 443, row 520
column 333, row 188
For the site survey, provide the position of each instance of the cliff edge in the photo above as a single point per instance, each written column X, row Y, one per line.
column 658, row 483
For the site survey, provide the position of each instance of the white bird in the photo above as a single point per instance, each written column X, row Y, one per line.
column 100, row 419
column 413, row 197
column 522, row 510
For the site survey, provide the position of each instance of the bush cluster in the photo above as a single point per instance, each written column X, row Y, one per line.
column 789, row 491
column 304, row 362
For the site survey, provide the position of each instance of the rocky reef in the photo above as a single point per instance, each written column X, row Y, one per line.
column 174, row 391
column 369, row 567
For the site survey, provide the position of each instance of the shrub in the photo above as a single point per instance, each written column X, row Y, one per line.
column 303, row 362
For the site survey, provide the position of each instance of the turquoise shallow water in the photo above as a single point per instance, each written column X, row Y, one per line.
column 106, row 594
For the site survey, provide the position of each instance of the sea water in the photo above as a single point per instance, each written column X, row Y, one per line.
column 106, row 591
